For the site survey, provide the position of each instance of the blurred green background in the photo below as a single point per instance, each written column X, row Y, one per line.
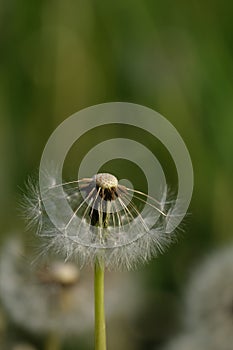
column 58, row 57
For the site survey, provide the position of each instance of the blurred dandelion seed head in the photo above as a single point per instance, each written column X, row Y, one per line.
column 208, row 312
column 60, row 274
column 57, row 297
column 188, row 341
column 209, row 299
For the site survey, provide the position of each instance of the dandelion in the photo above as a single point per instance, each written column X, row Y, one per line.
column 188, row 341
column 103, row 223
column 209, row 300
column 55, row 300
column 100, row 222
column 45, row 299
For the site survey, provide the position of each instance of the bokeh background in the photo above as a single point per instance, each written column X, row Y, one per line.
column 58, row 57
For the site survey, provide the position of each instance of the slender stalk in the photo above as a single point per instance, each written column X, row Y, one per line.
column 53, row 342
column 100, row 328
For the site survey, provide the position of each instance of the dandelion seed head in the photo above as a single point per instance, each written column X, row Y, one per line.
column 57, row 297
column 188, row 341
column 105, row 180
column 99, row 219
column 60, row 273
column 209, row 299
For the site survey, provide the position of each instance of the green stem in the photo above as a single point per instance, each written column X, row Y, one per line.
column 100, row 328
column 52, row 341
